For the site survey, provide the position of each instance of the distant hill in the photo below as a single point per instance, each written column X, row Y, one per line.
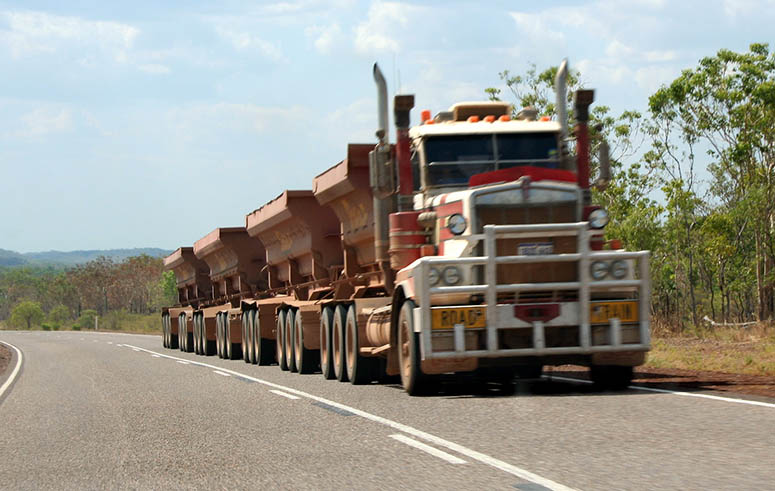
column 72, row 258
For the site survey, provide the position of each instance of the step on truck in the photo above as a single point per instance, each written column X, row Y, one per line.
column 468, row 246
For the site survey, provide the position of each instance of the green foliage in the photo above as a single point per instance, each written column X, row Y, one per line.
column 86, row 321
column 712, row 243
column 26, row 314
column 59, row 314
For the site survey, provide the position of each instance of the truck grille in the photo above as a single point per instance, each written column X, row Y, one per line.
column 532, row 273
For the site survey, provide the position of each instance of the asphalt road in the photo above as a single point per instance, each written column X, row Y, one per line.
column 94, row 410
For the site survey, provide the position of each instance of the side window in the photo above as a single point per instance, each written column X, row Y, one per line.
column 416, row 169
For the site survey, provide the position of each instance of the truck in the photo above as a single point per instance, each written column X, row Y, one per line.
column 469, row 246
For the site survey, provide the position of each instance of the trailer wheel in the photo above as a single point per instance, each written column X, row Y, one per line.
column 219, row 335
column 281, row 340
column 233, row 350
column 182, row 332
column 207, row 345
column 289, row 335
column 326, row 350
column 415, row 382
column 612, row 377
column 359, row 368
column 197, row 336
column 188, row 336
column 337, row 343
column 262, row 347
column 305, row 359
column 245, row 343
column 202, row 335
column 164, row 331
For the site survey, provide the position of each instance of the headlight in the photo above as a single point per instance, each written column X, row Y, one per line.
column 619, row 269
column 456, row 224
column 599, row 269
column 433, row 276
column 598, row 218
column 452, row 275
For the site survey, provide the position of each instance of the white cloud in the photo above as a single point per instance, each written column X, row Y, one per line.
column 196, row 119
column 384, row 23
column 45, row 120
column 325, row 37
column 154, row 68
column 27, row 33
column 245, row 41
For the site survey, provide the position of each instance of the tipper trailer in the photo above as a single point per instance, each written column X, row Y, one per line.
column 469, row 245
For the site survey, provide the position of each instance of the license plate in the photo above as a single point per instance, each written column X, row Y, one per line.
column 447, row 318
column 601, row 312
column 535, row 249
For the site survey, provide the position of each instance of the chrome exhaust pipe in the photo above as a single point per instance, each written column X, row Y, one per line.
column 382, row 106
column 560, row 92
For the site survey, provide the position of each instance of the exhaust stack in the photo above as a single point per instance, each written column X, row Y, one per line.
column 560, row 92
column 382, row 176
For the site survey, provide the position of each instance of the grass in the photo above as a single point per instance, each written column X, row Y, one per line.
column 748, row 350
column 117, row 321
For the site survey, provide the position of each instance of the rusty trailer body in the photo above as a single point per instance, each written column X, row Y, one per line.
column 470, row 245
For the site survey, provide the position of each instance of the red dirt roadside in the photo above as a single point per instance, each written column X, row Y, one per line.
column 686, row 380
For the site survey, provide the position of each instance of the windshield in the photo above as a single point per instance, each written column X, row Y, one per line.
column 453, row 159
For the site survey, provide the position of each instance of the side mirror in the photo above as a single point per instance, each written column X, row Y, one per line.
column 605, row 167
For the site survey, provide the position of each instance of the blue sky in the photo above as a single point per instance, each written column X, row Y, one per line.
column 148, row 124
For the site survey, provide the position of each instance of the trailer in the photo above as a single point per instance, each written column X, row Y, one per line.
column 469, row 246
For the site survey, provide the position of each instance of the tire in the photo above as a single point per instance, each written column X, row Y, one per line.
column 263, row 348
column 197, row 337
column 414, row 381
column 164, row 331
column 188, row 336
column 245, row 343
column 289, row 335
column 360, row 369
column 182, row 332
column 337, row 343
column 326, row 355
column 233, row 350
column 306, row 360
column 280, row 342
column 251, row 315
column 611, row 377
column 219, row 335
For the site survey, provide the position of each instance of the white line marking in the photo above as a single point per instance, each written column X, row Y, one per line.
column 677, row 393
column 110, row 342
column 221, row 373
column 281, row 393
column 156, row 356
column 471, row 454
column 179, row 361
column 135, row 350
column 16, row 369
column 427, row 448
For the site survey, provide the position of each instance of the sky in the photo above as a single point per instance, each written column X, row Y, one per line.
column 149, row 124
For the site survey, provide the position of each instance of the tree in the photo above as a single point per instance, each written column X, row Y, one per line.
column 26, row 314
column 59, row 315
column 726, row 106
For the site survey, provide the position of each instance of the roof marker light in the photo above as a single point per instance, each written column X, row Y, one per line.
column 489, row 118
column 546, row 118
column 505, row 117
column 425, row 115
column 473, row 119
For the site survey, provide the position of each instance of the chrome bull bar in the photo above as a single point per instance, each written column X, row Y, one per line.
column 490, row 289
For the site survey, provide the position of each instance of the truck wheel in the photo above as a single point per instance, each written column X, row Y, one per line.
column 306, row 359
column 611, row 377
column 233, row 350
column 189, row 337
column 337, row 343
column 197, row 336
column 245, row 340
column 164, row 331
column 281, row 341
column 415, row 382
column 219, row 335
column 289, row 335
column 208, row 347
column 182, row 332
column 326, row 356
column 249, row 331
column 262, row 347
column 359, row 368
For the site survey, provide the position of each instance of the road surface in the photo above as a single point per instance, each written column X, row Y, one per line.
column 103, row 410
